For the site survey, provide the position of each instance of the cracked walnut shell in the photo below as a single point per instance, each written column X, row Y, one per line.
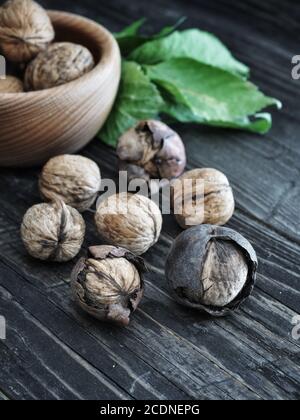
column 212, row 269
column 53, row 232
column 11, row 84
column 61, row 63
column 151, row 150
column 130, row 221
column 25, row 30
column 74, row 179
column 109, row 284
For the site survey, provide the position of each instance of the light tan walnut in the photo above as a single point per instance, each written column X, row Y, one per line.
column 74, row 179
column 25, row 30
column 61, row 63
column 129, row 221
column 202, row 196
column 53, row 232
column 11, row 84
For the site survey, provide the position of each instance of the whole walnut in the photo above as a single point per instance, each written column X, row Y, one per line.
column 151, row 150
column 212, row 269
column 74, row 179
column 202, row 196
column 109, row 284
column 61, row 63
column 53, row 231
column 130, row 221
column 11, row 84
column 25, row 30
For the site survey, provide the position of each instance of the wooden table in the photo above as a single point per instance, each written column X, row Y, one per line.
column 52, row 351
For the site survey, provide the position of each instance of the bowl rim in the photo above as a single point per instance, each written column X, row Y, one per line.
column 106, row 55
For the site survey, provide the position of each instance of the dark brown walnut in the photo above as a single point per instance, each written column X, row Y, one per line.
column 151, row 150
column 130, row 221
column 25, row 30
column 202, row 196
column 73, row 178
column 53, row 232
column 59, row 64
column 11, row 84
column 212, row 269
column 109, row 283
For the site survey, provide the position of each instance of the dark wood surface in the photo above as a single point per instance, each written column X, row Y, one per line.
column 52, row 351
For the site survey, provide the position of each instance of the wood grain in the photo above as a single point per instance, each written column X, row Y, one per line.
column 38, row 125
column 170, row 352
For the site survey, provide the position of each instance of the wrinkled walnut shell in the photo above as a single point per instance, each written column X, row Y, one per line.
column 25, row 30
column 11, row 84
column 130, row 221
column 61, row 63
column 53, row 232
column 211, row 202
column 74, row 179
column 109, row 284
column 207, row 263
column 151, row 150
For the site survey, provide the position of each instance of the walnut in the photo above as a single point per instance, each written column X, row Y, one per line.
column 25, row 30
column 60, row 63
column 11, row 84
column 202, row 196
column 212, row 269
column 151, row 150
column 130, row 221
column 53, row 232
column 73, row 178
column 109, row 284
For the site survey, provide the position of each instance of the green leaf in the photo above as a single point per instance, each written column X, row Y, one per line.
column 131, row 30
column 130, row 39
column 260, row 123
column 137, row 99
column 205, row 94
column 193, row 43
column 168, row 30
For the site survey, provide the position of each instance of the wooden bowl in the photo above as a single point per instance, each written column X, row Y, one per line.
column 36, row 126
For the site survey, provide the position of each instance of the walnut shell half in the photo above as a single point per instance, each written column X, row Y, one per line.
column 25, row 30
column 109, row 284
column 61, row 63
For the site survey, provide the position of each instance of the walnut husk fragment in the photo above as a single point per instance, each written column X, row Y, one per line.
column 109, row 284
column 11, row 84
column 202, row 196
column 130, row 221
column 151, row 150
column 212, row 269
column 53, row 232
column 61, row 63
column 74, row 179
column 25, row 30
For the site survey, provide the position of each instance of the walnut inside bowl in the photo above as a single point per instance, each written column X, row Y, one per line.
column 36, row 126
